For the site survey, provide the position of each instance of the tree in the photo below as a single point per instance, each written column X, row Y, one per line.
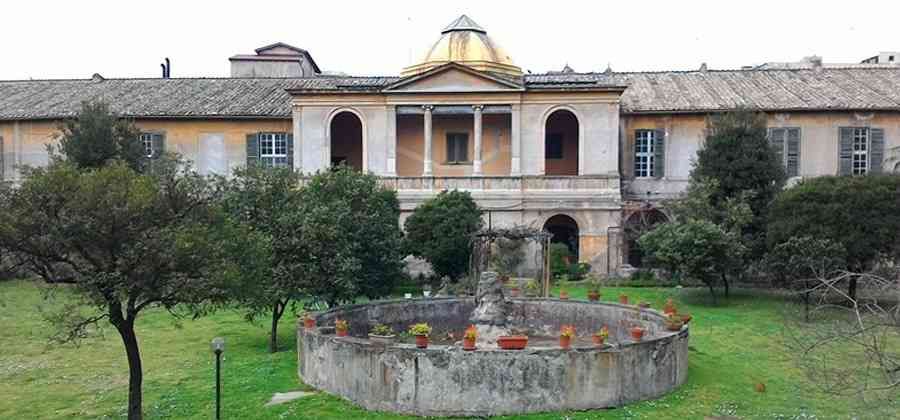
column 738, row 157
column 800, row 261
column 259, row 198
column 859, row 213
column 97, row 136
column 508, row 256
column 697, row 249
column 345, row 240
column 440, row 231
column 122, row 241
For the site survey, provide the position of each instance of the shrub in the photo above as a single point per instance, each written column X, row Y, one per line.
column 559, row 259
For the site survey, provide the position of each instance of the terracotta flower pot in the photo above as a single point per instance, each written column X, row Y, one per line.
column 340, row 333
column 669, row 307
column 623, row 299
column 309, row 323
column 636, row 333
column 598, row 340
column 512, row 342
column 674, row 325
column 564, row 295
column 565, row 342
column 468, row 344
column 593, row 296
column 514, row 292
column 422, row 341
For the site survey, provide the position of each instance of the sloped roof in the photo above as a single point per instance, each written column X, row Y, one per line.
column 651, row 92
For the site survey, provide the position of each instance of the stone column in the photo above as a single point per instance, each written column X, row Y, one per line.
column 515, row 167
column 427, row 170
column 391, row 141
column 476, row 163
column 297, row 115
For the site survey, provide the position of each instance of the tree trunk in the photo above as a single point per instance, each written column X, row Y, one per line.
column 277, row 311
column 135, row 372
column 712, row 291
column 725, row 282
column 851, row 289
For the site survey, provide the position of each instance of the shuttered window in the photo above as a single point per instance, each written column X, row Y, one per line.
column 786, row 142
column 153, row 144
column 457, row 147
column 860, row 150
column 273, row 149
column 649, row 153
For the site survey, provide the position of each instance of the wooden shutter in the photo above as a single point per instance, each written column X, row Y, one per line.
column 252, row 149
column 451, row 148
column 792, row 157
column 876, row 150
column 159, row 144
column 776, row 139
column 659, row 153
column 290, row 150
column 845, row 151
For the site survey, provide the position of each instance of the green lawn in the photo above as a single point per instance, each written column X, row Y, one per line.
column 733, row 346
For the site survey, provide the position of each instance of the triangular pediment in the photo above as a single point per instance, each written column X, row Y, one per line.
column 453, row 77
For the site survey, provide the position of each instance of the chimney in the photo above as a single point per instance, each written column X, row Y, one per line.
column 703, row 68
column 815, row 61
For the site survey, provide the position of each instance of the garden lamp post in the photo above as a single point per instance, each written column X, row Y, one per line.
column 218, row 347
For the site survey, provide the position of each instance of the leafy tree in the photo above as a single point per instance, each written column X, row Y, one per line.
column 738, row 157
column 696, row 249
column 97, row 136
column 440, row 231
column 345, row 240
column 859, row 213
column 123, row 242
column 259, row 198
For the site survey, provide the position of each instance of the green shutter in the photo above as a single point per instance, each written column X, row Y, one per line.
column 659, row 153
column 159, row 145
column 792, row 157
column 252, row 149
column 776, row 140
column 876, row 151
column 290, row 150
column 845, row 151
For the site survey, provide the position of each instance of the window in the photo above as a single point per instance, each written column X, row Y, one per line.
column 786, row 142
column 860, row 151
column 273, row 149
column 644, row 153
column 147, row 142
column 457, row 147
column 554, row 146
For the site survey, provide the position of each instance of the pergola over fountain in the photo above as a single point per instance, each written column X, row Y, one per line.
column 445, row 380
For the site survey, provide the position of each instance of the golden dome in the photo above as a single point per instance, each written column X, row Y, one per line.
column 466, row 43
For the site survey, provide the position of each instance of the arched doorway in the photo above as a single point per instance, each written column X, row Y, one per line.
column 565, row 231
column 346, row 140
column 561, row 143
column 638, row 223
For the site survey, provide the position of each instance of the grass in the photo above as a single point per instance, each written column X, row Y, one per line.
column 733, row 346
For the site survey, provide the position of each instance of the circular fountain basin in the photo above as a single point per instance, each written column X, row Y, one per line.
column 444, row 380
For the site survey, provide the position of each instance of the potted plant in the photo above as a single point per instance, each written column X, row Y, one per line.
column 514, row 290
column 341, row 326
column 669, row 307
column 566, row 335
column 532, row 288
column 623, row 299
column 469, row 338
column 421, row 332
column 674, row 322
column 601, row 336
column 563, row 294
column 382, row 334
column 685, row 318
column 637, row 332
column 308, row 321
column 512, row 342
column 593, row 294
column 644, row 305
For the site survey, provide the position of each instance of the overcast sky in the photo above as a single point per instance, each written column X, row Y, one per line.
column 128, row 38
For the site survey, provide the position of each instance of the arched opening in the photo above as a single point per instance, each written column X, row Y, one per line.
column 561, row 143
column 565, row 231
column 637, row 224
column 346, row 140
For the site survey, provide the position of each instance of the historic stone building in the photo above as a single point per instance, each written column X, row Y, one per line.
column 586, row 155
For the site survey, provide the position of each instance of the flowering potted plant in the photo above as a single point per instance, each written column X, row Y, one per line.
column 623, row 299
column 563, row 294
column 421, row 331
column 601, row 336
column 637, row 332
column 512, row 342
column 514, row 290
column 669, row 307
column 674, row 322
column 341, row 326
column 566, row 335
column 469, row 338
column 308, row 321
column 382, row 334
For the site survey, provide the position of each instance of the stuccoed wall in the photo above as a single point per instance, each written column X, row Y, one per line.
column 445, row 381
